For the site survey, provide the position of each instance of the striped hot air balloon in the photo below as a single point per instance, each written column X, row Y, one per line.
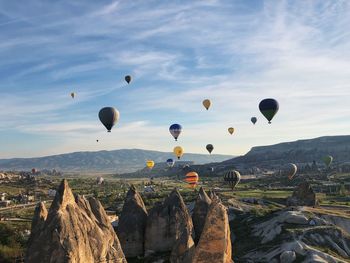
column 192, row 179
column 232, row 178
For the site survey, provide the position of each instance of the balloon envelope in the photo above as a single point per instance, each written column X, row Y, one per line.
column 253, row 120
column 109, row 116
column 289, row 170
column 269, row 108
column 128, row 78
column 231, row 130
column 170, row 162
column 72, row 95
column 192, row 179
column 33, row 170
column 327, row 160
column 175, row 130
column 206, row 103
column 178, row 151
column 232, row 178
column 210, row 148
column 150, row 164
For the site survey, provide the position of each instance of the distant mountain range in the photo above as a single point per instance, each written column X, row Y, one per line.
column 117, row 161
column 273, row 156
column 298, row 152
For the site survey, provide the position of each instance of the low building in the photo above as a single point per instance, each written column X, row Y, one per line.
column 3, row 196
column 51, row 193
column 5, row 203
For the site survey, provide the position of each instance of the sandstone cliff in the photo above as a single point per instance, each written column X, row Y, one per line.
column 76, row 230
column 200, row 213
column 166, row 223
column 132, row 224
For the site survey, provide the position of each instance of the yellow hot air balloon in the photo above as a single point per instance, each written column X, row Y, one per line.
column 206, row 103
column 149, row 164
column 231, row 130
column 72, row 94
column 178, row 151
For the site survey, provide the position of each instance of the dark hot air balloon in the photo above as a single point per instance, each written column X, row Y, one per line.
column 175, row 130
column 128, row 79
column 269, row 108
column 210, row 148
column 109, row 117
column 253, row 120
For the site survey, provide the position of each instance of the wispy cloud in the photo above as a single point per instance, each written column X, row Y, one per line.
column 235, row 53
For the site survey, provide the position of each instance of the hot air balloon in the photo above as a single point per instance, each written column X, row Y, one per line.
column 206, row 103
column 232, row 178
column 170, row 162
column 149, row 164
column 175, row 130
column 109, row 117
column 289, row 170
column 327, row 160
column 33, row 170
column 192, row 179
column 269, row 107
column 72, row 95
column 99, row 180
column 128, row 79
column 210, row 148
column 231, row 130
column 178, row 151
column 253, row 120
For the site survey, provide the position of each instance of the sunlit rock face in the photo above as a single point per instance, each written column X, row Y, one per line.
column 75, row 229
column 200, row 213
column 215, row 244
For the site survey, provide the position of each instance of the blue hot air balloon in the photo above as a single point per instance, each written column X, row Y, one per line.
column 175, row 130
column 170, row 162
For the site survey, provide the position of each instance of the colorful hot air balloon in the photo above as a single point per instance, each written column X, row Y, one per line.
column 289, row 170
column 192, row 179
column 178, row 151
column 210, row 148
column 327, row 160
column 33, row 170
column 72, row 95
column 109, row 117
column 231, row 130
column 150, row 164
column 232, row 178
column 170, row 162
column 175, row 130
column 128, row 79
column 269, row 107
column 206, row 103
column 253, row 120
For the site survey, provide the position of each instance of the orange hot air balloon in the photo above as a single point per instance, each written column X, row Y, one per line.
column 192, row 179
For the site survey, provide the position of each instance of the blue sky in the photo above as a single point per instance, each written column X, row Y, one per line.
column 179, row 52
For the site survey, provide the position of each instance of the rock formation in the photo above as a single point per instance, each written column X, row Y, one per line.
column 132, row 224
column 215, row 243
column 75, row 230
column 303, row 195
column 200, row 213
column 166, row 223
column 183, row 249
column 40, row 215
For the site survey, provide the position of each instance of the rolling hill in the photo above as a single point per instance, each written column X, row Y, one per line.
column 117, row 161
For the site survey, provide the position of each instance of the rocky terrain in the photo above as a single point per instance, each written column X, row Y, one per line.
column 76, row 229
